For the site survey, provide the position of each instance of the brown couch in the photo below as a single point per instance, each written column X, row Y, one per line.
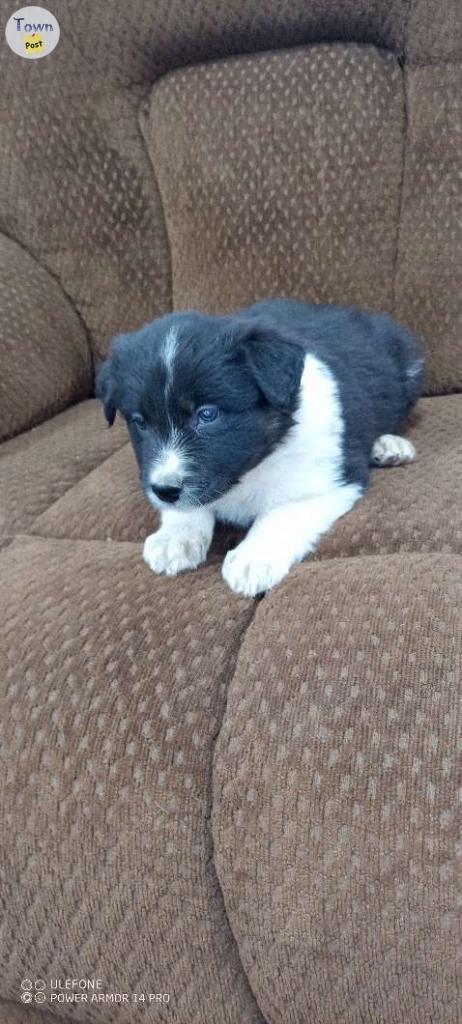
column 251, row 808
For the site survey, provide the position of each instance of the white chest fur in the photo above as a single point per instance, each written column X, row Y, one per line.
column 308, row 463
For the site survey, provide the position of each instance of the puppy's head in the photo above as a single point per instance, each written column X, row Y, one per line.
column 205, row 398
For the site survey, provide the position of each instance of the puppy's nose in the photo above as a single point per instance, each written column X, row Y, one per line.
column 170, row 494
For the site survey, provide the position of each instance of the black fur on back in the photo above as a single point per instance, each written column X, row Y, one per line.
column 378, row 366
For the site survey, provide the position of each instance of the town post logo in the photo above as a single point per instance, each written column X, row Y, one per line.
column 32, row 32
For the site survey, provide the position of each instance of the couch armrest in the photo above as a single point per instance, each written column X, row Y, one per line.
column 45, row 361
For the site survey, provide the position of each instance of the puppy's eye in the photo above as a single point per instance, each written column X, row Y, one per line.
column 138, row 421
column 207, row 414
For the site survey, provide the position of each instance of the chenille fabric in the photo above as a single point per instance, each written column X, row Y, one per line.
column 429, row 265
column 337, row 793
column 20, row 1013
column 107, row 818
column 45, row 359
column 37, row 467
column 317, row 139
column 251, row 806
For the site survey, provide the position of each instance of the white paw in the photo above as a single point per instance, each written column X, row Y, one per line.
column 250, row 572
column 171, row 551
column 391, row 450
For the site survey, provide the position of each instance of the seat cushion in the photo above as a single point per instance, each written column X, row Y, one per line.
column 416, row 507
column 280, row 174
column 410, row 508
column 37, row 467
column 429, row 261
column 112, row 689
column 327, row 172
column 24, row 1013
column 337, row 794
column 44, row 352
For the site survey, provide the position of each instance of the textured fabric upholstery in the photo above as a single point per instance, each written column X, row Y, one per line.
column 323, row 114
column 18, row 1013
column 44, row 354
column 336, row 794
column 429, row 267
column 433, row 32
column 253, row 806
column 90, row 210
column 106, row 746
column 38, row 467
column 89, row 184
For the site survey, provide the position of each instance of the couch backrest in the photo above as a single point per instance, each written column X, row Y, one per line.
column 161, row 155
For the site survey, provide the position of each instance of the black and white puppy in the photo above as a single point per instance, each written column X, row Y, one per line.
column 269, row 418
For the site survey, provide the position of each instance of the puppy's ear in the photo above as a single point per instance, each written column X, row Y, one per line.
column 275, row 362
column 105, row 390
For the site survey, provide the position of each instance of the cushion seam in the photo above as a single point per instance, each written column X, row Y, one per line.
column 216, row 737
column 69, row 299
column 209, row 818
column 66, row 491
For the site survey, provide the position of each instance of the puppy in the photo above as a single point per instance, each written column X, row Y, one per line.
column 269, row 418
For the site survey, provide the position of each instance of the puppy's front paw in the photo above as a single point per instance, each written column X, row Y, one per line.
column 391, row 450
column 251, row 572
column 172, row 551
